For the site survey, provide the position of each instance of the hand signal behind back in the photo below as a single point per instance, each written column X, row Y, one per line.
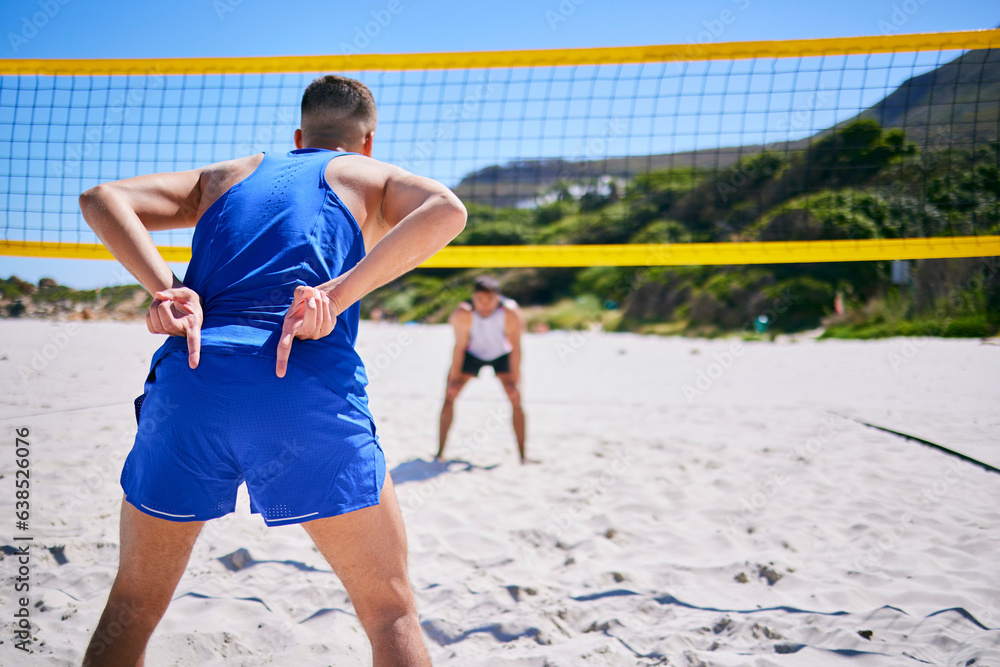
column 177, row 312
column 310, row 316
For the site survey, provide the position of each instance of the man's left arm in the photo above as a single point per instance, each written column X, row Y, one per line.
column 514, row 325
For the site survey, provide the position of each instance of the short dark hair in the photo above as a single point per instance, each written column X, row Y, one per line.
column 335, row 106
column 486, row 284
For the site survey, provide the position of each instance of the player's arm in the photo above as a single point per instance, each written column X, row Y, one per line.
column 461, row 322
column 514, row 325
column 122, row 213
column 421, row 216
column 414, row 218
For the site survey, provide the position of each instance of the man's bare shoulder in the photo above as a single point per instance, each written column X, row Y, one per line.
column 462, row 314
column 510, row 306
column 360, row 170
column 241, row 165
column 513, row 317
column 217, row 178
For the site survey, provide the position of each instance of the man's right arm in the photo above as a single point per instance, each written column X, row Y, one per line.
column 421, row 217
column 461, row 322
column 122, row 213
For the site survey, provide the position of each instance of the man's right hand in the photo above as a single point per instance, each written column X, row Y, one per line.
column 177, row 312
column 312, row 315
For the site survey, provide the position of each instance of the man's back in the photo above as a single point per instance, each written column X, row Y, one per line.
column 284, row 247
column 279, row 227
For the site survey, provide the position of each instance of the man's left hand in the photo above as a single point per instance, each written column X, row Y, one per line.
column 312, row 315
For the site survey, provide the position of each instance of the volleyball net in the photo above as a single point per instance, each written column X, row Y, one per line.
column 828, row 150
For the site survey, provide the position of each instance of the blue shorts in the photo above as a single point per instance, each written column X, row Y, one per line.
column 304, row 452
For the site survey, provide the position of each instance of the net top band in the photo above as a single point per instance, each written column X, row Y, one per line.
column 839, row 46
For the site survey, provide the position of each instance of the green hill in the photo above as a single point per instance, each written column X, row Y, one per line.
column 954, row 105
column 856, row 181
column 957, row 104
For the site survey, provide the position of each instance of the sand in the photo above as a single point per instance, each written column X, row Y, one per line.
column 696, row 503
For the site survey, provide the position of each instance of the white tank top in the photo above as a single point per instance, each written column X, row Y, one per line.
column 488, row 337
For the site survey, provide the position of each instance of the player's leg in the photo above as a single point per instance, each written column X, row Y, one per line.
column 367, row 550
column 513, row 390
column 448, row 409
column 153, row 555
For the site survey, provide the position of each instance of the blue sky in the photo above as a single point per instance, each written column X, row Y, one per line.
column 115, row 29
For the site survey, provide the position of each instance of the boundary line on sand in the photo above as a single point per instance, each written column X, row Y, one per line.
column 985, row 466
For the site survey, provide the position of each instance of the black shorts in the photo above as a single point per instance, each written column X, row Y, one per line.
column 472, row 364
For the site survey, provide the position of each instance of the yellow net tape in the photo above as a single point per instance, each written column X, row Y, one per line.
column 653, row 254
column 124, row 131
column 966, row 39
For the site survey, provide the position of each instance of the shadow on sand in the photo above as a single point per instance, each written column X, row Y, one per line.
column 419, row 469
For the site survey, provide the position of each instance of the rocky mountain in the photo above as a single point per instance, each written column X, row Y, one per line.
column 953, row 105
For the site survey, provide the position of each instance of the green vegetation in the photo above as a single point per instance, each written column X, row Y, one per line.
column 14, row 287
column 857, row 182
column 19, row 298
column 578, row 314
column 975, row 326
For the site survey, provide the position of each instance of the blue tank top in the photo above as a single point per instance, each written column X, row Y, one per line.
column 281, row 227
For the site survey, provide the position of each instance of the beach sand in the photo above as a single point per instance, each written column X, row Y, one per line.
column 697, row 502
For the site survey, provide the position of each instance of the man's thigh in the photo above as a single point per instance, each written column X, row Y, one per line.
column 455, row 386
column 367, row 550
column 154, row 552
column 510, row 386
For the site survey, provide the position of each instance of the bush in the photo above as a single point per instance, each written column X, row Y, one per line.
column 807, row 300
column 14, row 287
column 574, row 314
column 973, row 326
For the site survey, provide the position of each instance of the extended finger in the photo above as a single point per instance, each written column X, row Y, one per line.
column 194, row 345
column 284, row 348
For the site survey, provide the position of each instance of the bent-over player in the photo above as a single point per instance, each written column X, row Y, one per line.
column 487, row 333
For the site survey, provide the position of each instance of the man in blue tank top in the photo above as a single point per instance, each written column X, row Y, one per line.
column 258, row 380
column 487, row 333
